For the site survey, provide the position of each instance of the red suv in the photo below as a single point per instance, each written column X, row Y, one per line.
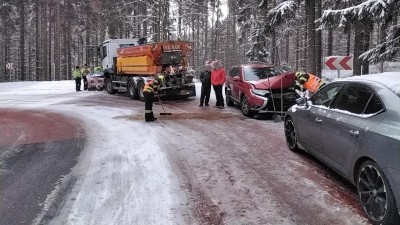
column 260, row 88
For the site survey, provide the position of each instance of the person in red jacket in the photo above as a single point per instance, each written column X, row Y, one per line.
column 218, row 77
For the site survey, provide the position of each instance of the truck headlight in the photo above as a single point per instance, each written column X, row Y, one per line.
column 260, row 92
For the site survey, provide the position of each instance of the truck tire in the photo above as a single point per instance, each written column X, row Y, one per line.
column 109, row 86
column 140, row 90
column 132, row 89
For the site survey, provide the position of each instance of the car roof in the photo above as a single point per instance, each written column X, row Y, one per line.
column 389, row 79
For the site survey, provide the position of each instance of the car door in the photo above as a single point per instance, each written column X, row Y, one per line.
column 311, row 122
column 237, row 84
column 347, row 122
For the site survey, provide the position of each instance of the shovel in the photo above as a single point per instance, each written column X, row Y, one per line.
column 275, row 117
column 164, row 113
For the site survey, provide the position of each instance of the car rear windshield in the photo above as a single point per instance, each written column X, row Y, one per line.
column 259, row 73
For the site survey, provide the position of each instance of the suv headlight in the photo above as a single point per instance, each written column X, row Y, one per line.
column 260, row 92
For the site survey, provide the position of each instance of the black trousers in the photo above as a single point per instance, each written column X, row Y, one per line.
column 205, row 93
column 218, row 95
column 78, row 84
column 148, row 106
column 85, row 83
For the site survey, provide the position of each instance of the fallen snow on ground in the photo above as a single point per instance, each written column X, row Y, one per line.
column 122, row 175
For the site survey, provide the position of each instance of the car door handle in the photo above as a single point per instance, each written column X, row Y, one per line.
column 318, row 120
column 354, row 133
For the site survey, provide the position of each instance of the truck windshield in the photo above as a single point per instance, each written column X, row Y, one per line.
column 126, row 45
column 259, row 73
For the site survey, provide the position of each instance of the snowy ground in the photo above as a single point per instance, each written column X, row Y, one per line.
column 198, row 166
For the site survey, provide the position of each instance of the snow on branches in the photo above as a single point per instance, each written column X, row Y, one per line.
column 386, row 50
column 381, row 11
column 282, row 13
column 376, row 9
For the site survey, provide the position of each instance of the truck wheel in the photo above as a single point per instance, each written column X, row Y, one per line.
column 140, row 90
column 132, row 90
column 109, row 86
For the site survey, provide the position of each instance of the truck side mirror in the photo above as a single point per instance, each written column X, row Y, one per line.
column 142, row 41
column 99, row 52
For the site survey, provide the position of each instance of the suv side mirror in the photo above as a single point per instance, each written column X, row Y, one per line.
column 236, row 79
column 301, row 101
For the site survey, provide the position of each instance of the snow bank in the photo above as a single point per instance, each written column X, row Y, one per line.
column 37, row 87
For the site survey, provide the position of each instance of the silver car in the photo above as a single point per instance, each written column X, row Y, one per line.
column 353, row 126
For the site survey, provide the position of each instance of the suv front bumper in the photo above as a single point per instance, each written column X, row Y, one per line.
column 273, row 103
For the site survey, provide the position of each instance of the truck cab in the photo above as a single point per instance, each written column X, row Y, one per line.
column 108, row 51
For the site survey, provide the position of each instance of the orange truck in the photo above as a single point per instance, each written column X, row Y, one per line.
column 129, row 63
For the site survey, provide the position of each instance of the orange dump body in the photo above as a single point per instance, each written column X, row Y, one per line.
column 152, row 58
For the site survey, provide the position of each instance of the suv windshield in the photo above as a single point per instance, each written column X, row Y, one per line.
column 259, row 73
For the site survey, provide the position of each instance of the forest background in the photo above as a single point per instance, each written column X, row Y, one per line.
column 43, row 40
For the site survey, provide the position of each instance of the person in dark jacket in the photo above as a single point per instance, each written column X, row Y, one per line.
column 205, row 78
column 150, row 91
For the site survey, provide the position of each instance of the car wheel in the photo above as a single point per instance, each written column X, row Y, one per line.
column 131, row 90
column 290, row 135
column 229, row 101
column 375, row 195
column 109, row 86
column 245, row 106
column 140, row 90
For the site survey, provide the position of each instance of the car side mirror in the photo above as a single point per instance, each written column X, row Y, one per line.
column 236, row 79
column 301, row 101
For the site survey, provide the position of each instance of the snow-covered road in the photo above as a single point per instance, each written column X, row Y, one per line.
column 198, row 166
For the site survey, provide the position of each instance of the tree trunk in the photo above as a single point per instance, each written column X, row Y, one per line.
column 22, row 38
column 197, row 43
column 193, row 40
column 358, row 36
column 318, row 40
column 57, row 40
column 212, row 33
column 348, row 44
column 382, row 36
column 297, row 49
column 287, row 47
column 366, row 36
column 330, row 42
column 205, row 40
column 37, row 41
column 50, row 42
column 45, row 41
column 180, row 19
column 310, row 7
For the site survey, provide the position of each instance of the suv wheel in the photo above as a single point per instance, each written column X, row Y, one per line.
column 375, row 195
column 229, row 101
column 245, row 106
